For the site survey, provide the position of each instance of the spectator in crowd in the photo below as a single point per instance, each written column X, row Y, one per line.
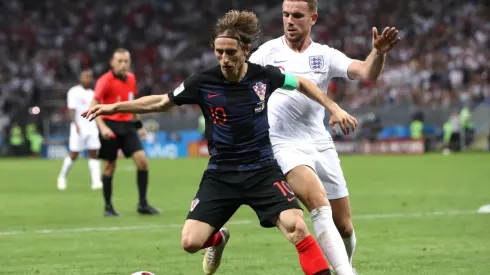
column 442, row 60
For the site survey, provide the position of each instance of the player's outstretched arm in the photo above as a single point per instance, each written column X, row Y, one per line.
column 371, row 68
column 338, row 115
column 105, row 131
column 143, row 105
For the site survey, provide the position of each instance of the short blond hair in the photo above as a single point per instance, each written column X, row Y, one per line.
column 312, row 4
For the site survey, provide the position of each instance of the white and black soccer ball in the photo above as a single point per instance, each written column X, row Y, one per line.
column 143, row 273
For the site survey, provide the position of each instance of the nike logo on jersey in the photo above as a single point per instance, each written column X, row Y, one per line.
column 279, row 61
column 291, row 199
column 212, row 95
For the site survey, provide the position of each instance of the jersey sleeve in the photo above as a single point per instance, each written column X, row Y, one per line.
column 339, row 63
column 71, row 101
column 276, row 77
column 187, row 92
column 101, row 88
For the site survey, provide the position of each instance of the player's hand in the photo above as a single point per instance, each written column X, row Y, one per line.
column 107, row 133
column 385, row 41
column 98, row 110
column 344, row 120
column 142, row 133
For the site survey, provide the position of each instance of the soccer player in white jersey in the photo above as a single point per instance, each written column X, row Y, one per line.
column 84, row 134
column 304, row 149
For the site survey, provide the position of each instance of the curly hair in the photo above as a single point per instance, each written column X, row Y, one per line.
column 240, row 25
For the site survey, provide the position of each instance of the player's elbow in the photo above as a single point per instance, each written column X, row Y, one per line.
column 370, row 75
column 361, row 70
column 302, row 84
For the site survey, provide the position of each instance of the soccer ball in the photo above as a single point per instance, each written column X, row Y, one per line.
column 143, row 273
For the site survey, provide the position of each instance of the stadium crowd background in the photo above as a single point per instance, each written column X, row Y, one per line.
column 443, row 59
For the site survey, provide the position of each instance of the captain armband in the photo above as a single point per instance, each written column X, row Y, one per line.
column 290, row 81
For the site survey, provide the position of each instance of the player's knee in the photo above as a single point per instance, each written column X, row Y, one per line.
column 345, row 227
column 92, row 154
column 316, row 199
column 300, row 231
column 294, row 225
column 191, row 245
column 74, row 156
column 142, row 165
column 109, row 168
column 140, row 160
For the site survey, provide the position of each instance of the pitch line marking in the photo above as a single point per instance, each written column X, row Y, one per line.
column 238, row 222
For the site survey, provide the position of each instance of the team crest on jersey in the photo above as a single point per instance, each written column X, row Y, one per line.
column 194, row 203
column 316, row 62
column 260, row 89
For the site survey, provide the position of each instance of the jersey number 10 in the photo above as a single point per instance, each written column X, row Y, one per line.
column 218, row 114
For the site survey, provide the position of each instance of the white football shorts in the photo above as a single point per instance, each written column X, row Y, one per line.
column 324, row 160
column 86, row 140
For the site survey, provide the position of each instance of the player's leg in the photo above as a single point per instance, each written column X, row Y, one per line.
column 330, row 173
column 297, row 164
column 65, row 169
column 108, row 153
column 276, row 205
column 342, row 217
column 214, row 204
column 291, row 223
column 132, row 147
column 93, row 145
column 94, row 167
column 75, row 145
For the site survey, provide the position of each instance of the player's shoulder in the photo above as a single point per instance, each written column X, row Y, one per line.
column 74, row 89
column 131, row 75
column 257, row 68
column 262, row 71
column 106, row 76
column 210, row 74
column 276, row 42
column 323, row 49
column 270, row 46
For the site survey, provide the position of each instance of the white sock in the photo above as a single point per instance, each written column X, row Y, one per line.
column 67, row 163
column 350, row 245
column 329, row 239
column 94, row 166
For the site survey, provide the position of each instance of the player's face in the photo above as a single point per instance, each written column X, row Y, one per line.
column 120, row 63
column 230, row 55
column 297, row 20
column 86, row 78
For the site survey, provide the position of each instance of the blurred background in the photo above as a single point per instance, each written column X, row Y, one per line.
column 413, row 214
column 433, row 94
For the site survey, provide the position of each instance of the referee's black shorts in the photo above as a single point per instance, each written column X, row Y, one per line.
column 126, row 139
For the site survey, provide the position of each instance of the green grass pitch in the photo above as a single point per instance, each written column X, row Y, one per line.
column 413, row 215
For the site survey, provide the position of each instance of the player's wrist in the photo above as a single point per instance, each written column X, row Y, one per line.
column 378, row 52
column 333, row 108
column 116, row 106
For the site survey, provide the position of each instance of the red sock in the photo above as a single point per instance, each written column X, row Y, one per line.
column 311, row 257
column 214, row 240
